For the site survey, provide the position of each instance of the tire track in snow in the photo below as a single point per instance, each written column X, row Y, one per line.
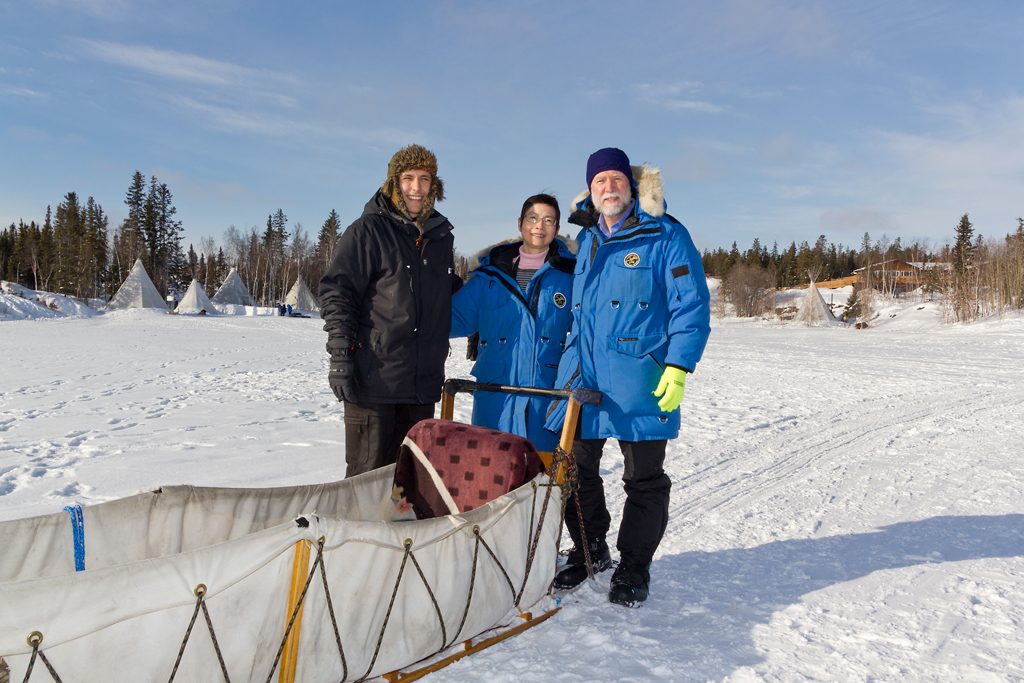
column 819, row 451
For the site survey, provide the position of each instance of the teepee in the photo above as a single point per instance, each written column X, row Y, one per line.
column 233, row 291
column 814, row 309
column 300, row 298
column 137, row 291
column 196, row 301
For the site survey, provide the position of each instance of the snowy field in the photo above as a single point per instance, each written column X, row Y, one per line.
column 847, row 504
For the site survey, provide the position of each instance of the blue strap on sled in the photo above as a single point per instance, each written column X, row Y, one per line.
column 78, row 529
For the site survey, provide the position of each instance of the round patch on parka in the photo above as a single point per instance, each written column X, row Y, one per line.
column 559, row 299
column 632, row 259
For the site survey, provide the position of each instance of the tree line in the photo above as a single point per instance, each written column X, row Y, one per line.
column 73, row 252
column 790, row 267
column 973, row 277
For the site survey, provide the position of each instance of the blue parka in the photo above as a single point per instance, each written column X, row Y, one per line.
column 522, row 336
column 640, row 302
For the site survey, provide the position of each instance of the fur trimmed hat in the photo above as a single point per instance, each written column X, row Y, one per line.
column 407, row 159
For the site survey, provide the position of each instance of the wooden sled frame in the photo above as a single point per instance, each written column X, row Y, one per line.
column 576, row 397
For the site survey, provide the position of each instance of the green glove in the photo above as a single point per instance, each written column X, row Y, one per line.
column 672, row 385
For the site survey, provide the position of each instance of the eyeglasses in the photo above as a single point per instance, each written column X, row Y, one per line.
column 548, row 222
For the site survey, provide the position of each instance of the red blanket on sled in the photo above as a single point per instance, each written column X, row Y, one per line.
column 445, row 467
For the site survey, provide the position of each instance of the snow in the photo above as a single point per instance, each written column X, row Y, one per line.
column 847, row 504
column 20, row 303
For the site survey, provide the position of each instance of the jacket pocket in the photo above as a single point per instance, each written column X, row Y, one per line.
column 632, row 283
column 635, row 345
column 635, row 364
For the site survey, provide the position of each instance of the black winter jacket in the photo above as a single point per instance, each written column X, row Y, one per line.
column 388, row 291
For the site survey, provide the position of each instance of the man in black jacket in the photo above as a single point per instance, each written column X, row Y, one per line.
column 386, row 301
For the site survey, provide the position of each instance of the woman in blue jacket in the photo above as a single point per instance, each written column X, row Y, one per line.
column 517, row 299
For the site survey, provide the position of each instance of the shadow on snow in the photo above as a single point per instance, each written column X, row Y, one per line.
column 705, row 605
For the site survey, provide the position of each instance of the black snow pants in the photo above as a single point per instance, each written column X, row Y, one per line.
column 374, row 432
column 645, row 514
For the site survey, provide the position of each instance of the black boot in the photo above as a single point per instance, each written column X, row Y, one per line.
column 575, row 570
column 629, row 584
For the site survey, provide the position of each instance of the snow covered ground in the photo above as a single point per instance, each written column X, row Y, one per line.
column 847, row 504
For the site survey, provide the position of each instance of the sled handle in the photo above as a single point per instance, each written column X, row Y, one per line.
column 452, row 387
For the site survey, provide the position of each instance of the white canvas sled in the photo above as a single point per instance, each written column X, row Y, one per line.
column 299, row 583
column 399, row 591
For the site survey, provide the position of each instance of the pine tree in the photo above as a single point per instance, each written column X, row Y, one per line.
column 280, row 224
column 94, row 248
column 852, row 310
column 328, row 238
column 163, row 238
column 220, row 270
column 135, row 199
column 68, row 232
column 8, row 251
column 129, row 243
column 962, row 256
column 47, row 253
column 193, row 263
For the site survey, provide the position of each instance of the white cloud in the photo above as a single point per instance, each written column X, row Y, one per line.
column 180, row 66
column 979, row 145
column 232, row 119
column 975, row 165
column 673, row 96
column 268, row 124
column 23, row 92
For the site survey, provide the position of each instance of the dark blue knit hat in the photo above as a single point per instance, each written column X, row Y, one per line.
column 608, row 159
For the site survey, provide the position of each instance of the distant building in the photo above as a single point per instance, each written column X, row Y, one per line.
column 893, row 275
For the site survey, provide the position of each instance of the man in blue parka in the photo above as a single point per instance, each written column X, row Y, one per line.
column 522, row 315
column 641, row 319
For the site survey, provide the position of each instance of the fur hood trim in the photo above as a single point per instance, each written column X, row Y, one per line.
column 647, row 188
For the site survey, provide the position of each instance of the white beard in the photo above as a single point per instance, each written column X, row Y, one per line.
column 612, row 210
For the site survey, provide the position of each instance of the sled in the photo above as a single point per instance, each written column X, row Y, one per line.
column 304, row 583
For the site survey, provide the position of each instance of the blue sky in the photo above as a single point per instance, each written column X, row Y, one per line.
column 776, row 120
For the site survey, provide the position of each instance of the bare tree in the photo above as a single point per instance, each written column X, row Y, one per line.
column 747, row 288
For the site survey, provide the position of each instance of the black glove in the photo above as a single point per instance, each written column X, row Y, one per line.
column 342, row 376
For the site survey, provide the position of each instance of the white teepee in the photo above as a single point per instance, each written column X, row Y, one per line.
column 814, row 309
column 233, row 291
column 137, row 291
column 196, row 301
column 300, row 298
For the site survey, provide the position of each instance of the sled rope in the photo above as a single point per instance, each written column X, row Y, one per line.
column 200, row 604
column 78, row 534
column 472, row 583
column 572, row 483
column 35, row 640
column 298, row 606
column 330, row 607
column 536, row 535
column 437, row 608
column 498, row 562
column 387, row 615
column 536, row 526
